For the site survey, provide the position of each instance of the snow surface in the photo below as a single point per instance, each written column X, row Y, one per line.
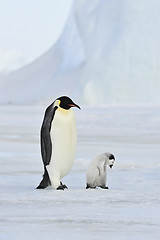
column 128, row 210
column 108, row 53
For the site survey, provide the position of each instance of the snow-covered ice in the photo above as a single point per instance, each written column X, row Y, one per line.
column 128, row 210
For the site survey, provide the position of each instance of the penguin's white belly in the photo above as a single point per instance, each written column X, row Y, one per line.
column 63, row 138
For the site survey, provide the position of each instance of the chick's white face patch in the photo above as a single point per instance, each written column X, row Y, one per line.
column 111, row 162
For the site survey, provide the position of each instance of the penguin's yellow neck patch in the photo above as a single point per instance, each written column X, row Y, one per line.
column 57, row 103
column 62, row 110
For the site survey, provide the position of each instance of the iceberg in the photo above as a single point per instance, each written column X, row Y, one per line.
column 108, row 53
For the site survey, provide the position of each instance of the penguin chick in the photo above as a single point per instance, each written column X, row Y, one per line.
column 58, row 142
column 96, row 173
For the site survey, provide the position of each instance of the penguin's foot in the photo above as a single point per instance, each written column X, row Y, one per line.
column 60, row 187
column 104, row 187
column 63, row 185
column 89, row 186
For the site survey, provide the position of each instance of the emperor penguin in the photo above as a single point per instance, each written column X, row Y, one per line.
column 58, row 142
column 96, row 173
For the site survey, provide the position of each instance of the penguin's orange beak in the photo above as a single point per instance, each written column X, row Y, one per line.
column 74, row 105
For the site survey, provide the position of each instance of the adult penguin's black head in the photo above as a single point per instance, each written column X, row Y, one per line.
column 66, row 103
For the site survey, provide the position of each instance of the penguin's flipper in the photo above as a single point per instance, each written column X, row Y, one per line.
column 46, row 145
column 101, row 166
column 45, row 181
